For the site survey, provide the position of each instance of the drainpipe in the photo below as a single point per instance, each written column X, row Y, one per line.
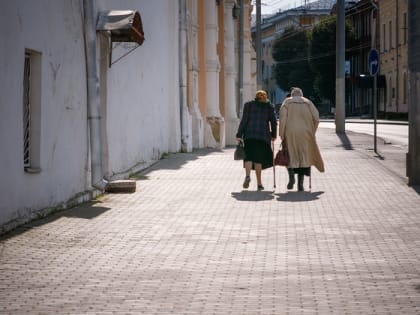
column 183, row 74
column 258, row 45
column 241, row 58
column 93, row 103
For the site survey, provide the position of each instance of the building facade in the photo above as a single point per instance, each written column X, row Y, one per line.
column 393, row 24
column 380, row 25
column 94, row 90
column 363, row 16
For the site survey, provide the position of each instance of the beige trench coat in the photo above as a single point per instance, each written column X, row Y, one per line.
column 299, row 121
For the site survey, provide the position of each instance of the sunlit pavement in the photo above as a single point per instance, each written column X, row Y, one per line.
column 190, row 240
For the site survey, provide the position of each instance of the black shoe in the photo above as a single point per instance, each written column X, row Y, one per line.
column 246, row 182
column 291, row 178
column 300, row 182
column 260, row 187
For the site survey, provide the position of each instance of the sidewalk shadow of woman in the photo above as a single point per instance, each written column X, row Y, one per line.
column 296, row 196
column 247, row 195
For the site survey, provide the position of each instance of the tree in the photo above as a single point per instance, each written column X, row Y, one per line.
column 291, row 53
column 323, row 55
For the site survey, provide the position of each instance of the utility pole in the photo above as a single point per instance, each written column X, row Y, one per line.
column 413, row 155
column 258, row 45
column 340, row 107
column 373, row 62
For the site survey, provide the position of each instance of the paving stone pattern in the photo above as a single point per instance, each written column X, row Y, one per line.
column 190, row 240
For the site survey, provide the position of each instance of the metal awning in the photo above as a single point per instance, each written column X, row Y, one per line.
column 123, row 25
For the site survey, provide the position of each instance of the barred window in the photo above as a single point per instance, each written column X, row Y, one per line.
column 26, row 111
column 31, row 111
column 390, row 35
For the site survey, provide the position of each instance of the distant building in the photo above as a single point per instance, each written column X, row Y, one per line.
column 273, row 26
column 382, row 25
column 364, row 19
column 393, row 30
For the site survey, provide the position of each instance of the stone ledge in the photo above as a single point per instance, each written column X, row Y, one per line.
column 121, row 186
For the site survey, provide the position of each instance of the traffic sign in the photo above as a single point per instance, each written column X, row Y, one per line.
column 373, row 61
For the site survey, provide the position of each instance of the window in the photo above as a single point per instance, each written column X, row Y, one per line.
column 390, row 35
column 383, row 37
column 390, row 90
column 31, row 111
column 405, row 26
column 405, row 88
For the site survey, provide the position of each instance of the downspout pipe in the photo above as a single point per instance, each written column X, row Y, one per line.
column 93, row 102
column 183, row 74
column 241, row 58
column 258, row 45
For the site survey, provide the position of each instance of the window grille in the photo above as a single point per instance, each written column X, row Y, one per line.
column 26, row 112
column 31, row 111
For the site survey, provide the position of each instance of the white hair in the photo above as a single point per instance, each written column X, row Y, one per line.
column 296, row 92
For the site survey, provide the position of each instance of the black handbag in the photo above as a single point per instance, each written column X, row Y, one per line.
column 239, row 151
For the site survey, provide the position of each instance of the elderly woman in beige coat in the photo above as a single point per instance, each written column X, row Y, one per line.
column 298, row 123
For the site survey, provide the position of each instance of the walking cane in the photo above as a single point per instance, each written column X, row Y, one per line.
column 274, row 166
column 310, row 178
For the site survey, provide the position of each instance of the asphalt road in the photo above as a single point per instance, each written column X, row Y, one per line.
column 396, row 134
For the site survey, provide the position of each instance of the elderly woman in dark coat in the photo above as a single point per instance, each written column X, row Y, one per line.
column 258, row 127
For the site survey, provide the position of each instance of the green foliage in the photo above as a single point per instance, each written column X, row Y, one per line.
column 323, row 55
column 307, row 58
column 291, row 52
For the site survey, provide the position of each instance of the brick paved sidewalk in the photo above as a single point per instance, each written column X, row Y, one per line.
column 191, row 241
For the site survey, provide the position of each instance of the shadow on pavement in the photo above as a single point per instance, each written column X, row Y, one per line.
column 416, row 189
column 345, row 141
column 247, row 195
column 175, row 161
column 84, row 211
column 296, row 196
column 88, row 210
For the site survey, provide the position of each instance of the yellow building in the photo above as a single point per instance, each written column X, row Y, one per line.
column 393, row 23
column 213, row 89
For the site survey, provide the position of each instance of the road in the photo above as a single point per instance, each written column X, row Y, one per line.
column 396, row 134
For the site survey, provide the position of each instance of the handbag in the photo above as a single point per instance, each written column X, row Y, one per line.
column 282, row 156
column 239, row 151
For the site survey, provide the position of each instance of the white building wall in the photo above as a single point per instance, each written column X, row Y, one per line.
column 54, row 29
column 142, row 96
column 143, row 119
